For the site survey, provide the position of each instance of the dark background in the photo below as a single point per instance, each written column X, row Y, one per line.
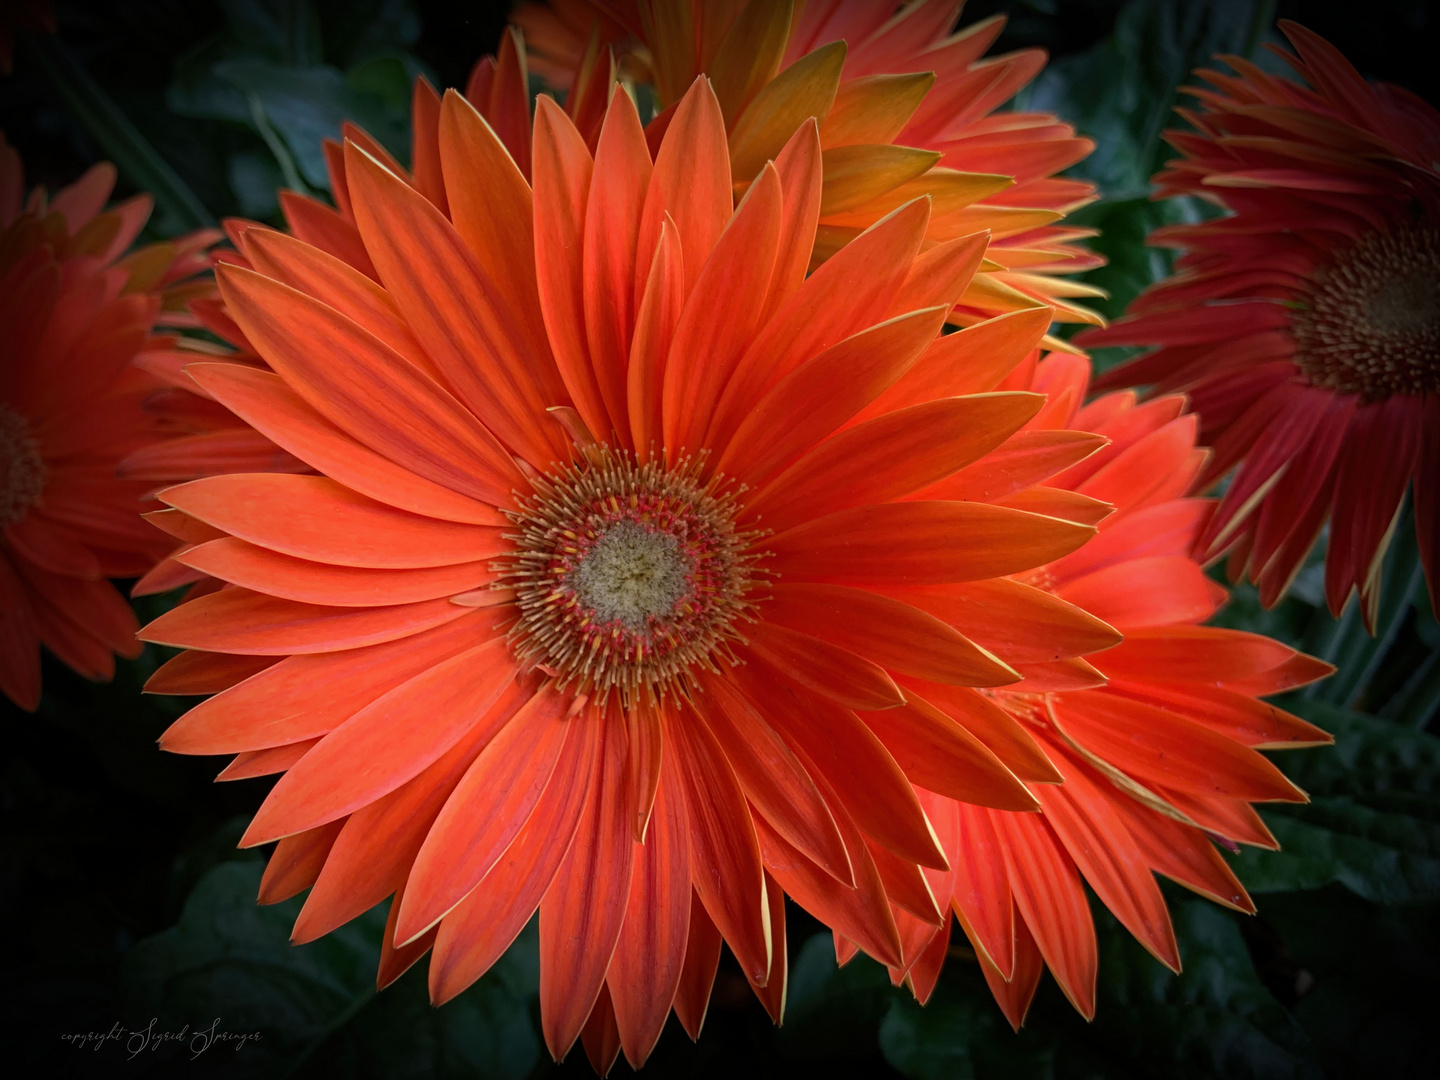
column 124, row 897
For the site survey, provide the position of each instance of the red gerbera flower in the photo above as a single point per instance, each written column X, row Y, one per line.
column 1155, row 740
column 1305, row 323
column 623, row 533
column 73, row 317
column 907, row 108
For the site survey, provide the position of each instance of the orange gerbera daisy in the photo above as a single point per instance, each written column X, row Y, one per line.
column 1154, row 739
column 622, row 533
column 1305, row 323
column 73, row 317
column 907, row 108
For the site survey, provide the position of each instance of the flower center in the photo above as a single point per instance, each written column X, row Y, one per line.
column 1370, row 323
column 22, row 470
column 628, row 575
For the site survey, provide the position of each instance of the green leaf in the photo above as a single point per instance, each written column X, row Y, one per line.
column 1122, row 92
column 314, row 1006
column 962, row 1035
column 307, row 105
column 1362, row 978
column 1373, row 822
column 832, row 1011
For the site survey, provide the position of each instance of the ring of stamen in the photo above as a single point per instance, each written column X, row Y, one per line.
column 22, row 469
column 1369, row 321
column 627, row 576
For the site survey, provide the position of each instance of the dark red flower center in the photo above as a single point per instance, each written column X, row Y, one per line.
column 1369, row 323
column 627, row 575
column 22, row 469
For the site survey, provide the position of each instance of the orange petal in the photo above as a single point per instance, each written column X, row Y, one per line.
column 1079, row 811
column 921, row 543
column 1157, row 591
column 601, row 1036
column 972, row 361
column 304, row 697
column 375, row 851
column 204, row 673
column 655, row 324
column 774, row 781
column 274, row 410
column 1206, row 654
column 477, row 933
column 982, row 898
column 1026, row 458
column 296, row 862
column 239, row 621
column 1049, row 895
column 800, row 170
column 821, row 394
column 385, row 743
column 482, row 816
column 1253, row 723
column 942, row 756
column 271, row 760
column 702, row 960
column 847, row 754
column 491, row 208
column 850, row 681
column 584, row 908
column 644, row 973
column 1018, row 623
column 374, row 395
column 803, row 90
column 613, row 262
column 563, row 169
column 887, row 632
column 265, row 571
column 1158, row 746
column 892, row 456
column 336, row 284
column 724, row 853
column 455, row 312
column 869, row 273
column 720, row 317
column 312, row 517
column 691, row 183
column 862, row 914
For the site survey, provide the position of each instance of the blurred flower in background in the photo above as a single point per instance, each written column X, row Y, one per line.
column 907, row 107
column 77, row 316
column 1305, row 323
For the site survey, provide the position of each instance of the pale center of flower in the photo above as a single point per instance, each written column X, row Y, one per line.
column 22, row 470
column 632, row 574
column 1369, row 322
column 628, row 576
